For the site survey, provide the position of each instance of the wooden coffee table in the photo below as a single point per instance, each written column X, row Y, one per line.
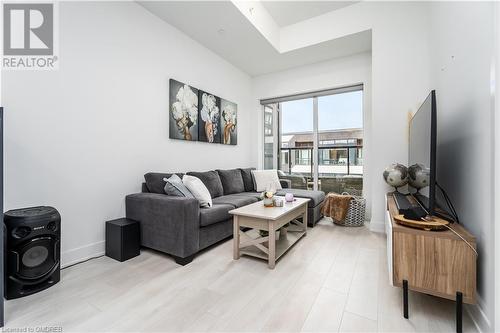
column 270, row 219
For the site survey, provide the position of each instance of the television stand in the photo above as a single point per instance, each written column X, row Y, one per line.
column 437, row 263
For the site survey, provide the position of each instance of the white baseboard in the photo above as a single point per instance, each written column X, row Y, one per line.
column 478, row 315
column 82, row 253
column 377, row 226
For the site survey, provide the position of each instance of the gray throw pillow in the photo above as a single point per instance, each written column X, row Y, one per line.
column 175, row 187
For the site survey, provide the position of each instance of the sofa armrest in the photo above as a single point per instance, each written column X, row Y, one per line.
column 286, row 183
column 168, row 224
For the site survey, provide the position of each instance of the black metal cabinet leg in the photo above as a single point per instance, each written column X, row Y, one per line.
column 459, row 311
column 405, row 299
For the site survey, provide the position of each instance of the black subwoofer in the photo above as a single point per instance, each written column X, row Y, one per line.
column 32, row 250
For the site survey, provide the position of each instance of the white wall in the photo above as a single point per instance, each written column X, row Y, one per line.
column 325, row 75
column 496, row 170
column 462, row 44
column 82, row 137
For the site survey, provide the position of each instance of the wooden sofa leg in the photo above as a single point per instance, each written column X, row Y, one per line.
column 184, row 261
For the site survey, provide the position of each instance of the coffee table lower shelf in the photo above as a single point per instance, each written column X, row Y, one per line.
column 282, row 245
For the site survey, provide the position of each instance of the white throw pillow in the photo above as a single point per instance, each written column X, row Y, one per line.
column 266, row 180
column 198, row 189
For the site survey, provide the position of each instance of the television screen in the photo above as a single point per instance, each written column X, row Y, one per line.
column 422, row 154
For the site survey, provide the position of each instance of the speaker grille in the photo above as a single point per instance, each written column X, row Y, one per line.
column 38, row 258
column 35, row 256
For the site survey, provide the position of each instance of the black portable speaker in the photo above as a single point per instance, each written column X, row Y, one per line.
column 32, row 250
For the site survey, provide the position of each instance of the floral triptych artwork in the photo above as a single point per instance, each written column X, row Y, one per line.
column 196, row 115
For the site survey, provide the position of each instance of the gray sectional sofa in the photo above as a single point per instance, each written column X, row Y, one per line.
column 179, row 227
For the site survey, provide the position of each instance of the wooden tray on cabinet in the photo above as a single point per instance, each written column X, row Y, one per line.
column 434, row 223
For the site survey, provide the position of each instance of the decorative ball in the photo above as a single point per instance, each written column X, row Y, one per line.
column 396, row 175
column 418, row 176
column 289, row 197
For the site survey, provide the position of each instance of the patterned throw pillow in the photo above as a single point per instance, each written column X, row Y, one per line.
column 175, row 187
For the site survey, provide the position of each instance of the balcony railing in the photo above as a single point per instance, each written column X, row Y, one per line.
column 340, row 168
column 333, row 160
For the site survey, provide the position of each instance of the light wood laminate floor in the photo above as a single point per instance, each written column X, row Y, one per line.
column 335, row 279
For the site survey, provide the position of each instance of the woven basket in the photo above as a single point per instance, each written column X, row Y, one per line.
column 356, row 214
column 353, row 191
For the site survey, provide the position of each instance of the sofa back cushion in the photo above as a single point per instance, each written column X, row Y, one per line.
column 232, row 181
column 248, row 182
column 211, row 180
column 155, row 182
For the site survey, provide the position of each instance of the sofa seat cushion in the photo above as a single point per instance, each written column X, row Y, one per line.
column 316, row 197
column 155, row 182
column 215, row 214
column 211, row 180
column 235, row 200
column 232, row 181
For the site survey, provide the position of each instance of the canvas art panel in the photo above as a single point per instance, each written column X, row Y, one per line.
column 209, row 117
column 183, row 111
column 228, row 122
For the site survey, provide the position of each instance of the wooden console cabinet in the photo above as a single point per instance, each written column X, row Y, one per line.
column 438, row 263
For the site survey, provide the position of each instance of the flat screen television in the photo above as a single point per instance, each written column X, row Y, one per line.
column 422, row 154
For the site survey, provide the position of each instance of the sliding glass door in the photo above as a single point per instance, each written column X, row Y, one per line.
column 317, row 141
column 296, row 145
column 340, row 130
